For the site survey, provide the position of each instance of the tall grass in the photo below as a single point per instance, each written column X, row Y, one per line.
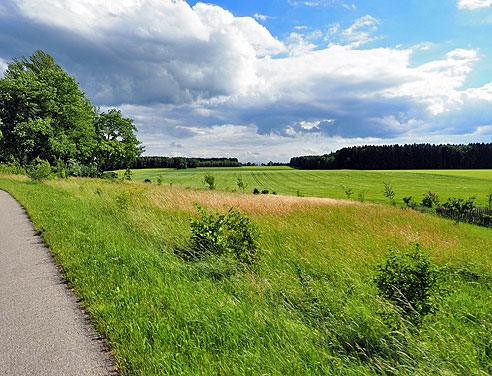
column 309, row 305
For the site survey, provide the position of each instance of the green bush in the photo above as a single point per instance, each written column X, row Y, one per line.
column 75, row 168
column 12, row 168
column 459, row 207
column 409, row 201
column 430, row 199
column 128, row 174
column 411, row 282
column 256, row 191
column 209, row 180
column 389, row 192
column 147, row 181
column 230, row 234
column 41, row 170
column 265, row 192
column 109, row 175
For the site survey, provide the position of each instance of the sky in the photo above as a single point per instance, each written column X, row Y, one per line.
column 268, row 80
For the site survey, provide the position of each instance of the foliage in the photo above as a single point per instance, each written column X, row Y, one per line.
column 430, row 200
column 265, row 192
column 128, row 174
column 231, row 234
column 147, row 181
column 411, row 282
column 209, row 180
column 39, row 171
column 489, row 199
column 241, row 184
column 12, row 168
column 116, row 140
column 348, row 191
column 45, row 115
column 256, row 191
column 459, row 207
column 409, row 201
column 361, row 196
column 400, row 157
column 389, row 193
column 75, row 168
column 159, row 180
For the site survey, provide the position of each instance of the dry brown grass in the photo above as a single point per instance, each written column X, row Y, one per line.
column 180, row 198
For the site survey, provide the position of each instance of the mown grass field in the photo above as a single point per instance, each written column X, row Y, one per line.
column 308, row 307
column 317, row 183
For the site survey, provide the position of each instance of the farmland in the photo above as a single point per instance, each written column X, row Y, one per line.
column 328, row 183
column 308, row 306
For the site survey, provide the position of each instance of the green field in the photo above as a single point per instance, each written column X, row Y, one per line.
column 328, row 183
column 309, row 306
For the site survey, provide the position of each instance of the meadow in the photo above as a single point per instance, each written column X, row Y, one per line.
column 307, row 307
column 331, row 183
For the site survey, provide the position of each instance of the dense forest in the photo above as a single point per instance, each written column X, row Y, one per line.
column 400, row 157
column 176, row 162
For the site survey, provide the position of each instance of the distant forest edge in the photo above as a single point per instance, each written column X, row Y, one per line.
column 175, row 162
column 400, row 157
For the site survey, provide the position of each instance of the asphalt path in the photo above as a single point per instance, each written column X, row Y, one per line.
column 43, row 331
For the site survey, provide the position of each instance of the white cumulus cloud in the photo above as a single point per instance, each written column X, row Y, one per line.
column 474, row 4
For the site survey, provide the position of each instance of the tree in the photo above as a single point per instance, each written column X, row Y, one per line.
column 44, row 114
column 116, row 140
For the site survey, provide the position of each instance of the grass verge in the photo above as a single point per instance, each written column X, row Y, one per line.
column 309, row 305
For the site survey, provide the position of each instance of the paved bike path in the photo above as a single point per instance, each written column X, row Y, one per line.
column 43, row 330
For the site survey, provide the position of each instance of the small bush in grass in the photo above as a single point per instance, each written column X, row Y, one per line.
column 41, row 170
column 229, row 234
column 128, row 174
column 256, row 191
column 389, row 193
column 241, row 184
column 348, row 191
column 159, row 180
column 459, row 207
column 147, row 181
column 430, row 199
column 411, row 282
column 109, row 175
column 409, row 201
column 361, row 196
column 12, row 168
column 209, row 180
column 265, row 192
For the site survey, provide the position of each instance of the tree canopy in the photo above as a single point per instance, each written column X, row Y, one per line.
column 44, row 114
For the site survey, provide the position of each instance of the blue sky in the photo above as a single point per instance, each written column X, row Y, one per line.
column 268, row 80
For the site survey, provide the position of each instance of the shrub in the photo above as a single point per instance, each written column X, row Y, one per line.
column 109, row 175
column 147, row 181
column 240, row 183
column 348, row 191
column 361, row 196
column 265, row 192
column 389, row 193
column 209, row 180
column 128, row 174
column 40, row 171
column 230, row 234
column 75, row 168
column 459, row 207
column 159, row 180
column 409, row 201
column 489, row 199
column 411, row 282
column 12, row 168
column 256, row 191
column 430, row 199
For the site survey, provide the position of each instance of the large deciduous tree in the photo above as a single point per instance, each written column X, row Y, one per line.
column 116, row 139
column 45, row 115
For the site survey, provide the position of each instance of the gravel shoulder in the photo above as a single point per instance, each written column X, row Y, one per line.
column 43, row 331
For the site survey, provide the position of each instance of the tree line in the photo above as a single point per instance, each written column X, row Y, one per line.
column 176, row 162
column 401, row 157
column 45, row 116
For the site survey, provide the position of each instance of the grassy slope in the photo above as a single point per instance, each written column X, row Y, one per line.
column 284, row 180
column 308, row 307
